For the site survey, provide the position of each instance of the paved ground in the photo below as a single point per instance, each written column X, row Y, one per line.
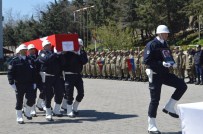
column 109, row 107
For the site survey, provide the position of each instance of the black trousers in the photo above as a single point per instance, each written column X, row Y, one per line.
column 53, row 87
column 71, row 81
column 155, row 90
column 26, row 89
column 41, row 90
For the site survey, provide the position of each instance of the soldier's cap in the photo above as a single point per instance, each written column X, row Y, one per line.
column 198, row 46
column 22, row 47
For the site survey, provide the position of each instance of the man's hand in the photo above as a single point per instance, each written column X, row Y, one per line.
column 166, row 64
column 14, row 87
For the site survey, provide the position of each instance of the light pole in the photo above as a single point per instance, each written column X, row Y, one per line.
column 82, row 21
column 1, row 31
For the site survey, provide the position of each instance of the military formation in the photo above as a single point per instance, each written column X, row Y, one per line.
column 127, row 65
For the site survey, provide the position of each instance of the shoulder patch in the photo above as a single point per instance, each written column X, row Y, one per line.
column 148, row 52
column 42, row 54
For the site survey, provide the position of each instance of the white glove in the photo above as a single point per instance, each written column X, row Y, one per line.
column 34, row 86
column 14, row 87
column 166, row 64
column 175, row 65
column 149, row 73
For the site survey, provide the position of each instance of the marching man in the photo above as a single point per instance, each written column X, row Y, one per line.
column 158, row 74
column 72, row 64
column 21, row 77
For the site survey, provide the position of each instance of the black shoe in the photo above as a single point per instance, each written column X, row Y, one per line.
column 57, row 115
column 201, row 83
column 34, row 115
column 40, row 109
column 71, row 116
column 64, row 109
column 171, row 114
column 29, row 118
column 75, row 113
column 49, row 119
column 21, row 122
column 154, row 132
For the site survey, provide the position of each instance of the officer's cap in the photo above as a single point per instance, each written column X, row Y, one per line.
column 162, row 29
column 80, row 42
column 30, row 46
column 17, row 50
column 22, row 47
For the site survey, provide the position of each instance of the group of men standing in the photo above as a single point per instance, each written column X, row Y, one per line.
column 55, row 74
column 116, row 65
column 190, row 62
column 128, row 65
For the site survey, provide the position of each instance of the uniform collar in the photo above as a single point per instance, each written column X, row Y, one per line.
column 159, row 39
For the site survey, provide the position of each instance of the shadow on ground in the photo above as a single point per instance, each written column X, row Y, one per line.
column 88, row 115
column 171, row 133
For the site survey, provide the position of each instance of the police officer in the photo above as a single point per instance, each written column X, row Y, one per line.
column 21, row 76
column 198, row 60
column 51, row 73
column 72, row 63
column 158, row 73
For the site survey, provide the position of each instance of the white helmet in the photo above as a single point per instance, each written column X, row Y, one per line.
column 30, row 46
column 80, row 42
column 17, row 50
column 45, row 42
column 22, row 47
column 162, row 29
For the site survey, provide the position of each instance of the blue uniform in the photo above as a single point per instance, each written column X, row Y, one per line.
column 22, row 73
column 54, row 84
column 72, row 64
column 153, row 59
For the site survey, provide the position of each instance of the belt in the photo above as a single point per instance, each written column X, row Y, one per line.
column 70, row 73
column 46, row 74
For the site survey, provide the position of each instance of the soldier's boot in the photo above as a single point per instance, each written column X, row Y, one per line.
column 152, row 128
column 56, row 110
column 64, row 104
column 170, row 108
column 19, row 116
column 75, row 107
column 33, row 111
column 189, row 82
column 39, row 104
column 48, row 114
column 44, row 106
column 70, row 111
column 27, row 112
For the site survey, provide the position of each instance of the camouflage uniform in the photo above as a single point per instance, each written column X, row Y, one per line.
column 113, row 65
column 93, row 65
column 118, row 66
column 88, row 67
column 108, row 66
column 189, row 66
column 138, row 66
column 182, row 64
column 124, row 66
column 176, row 56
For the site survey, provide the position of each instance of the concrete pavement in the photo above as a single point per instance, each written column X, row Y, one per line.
column 109, row 107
